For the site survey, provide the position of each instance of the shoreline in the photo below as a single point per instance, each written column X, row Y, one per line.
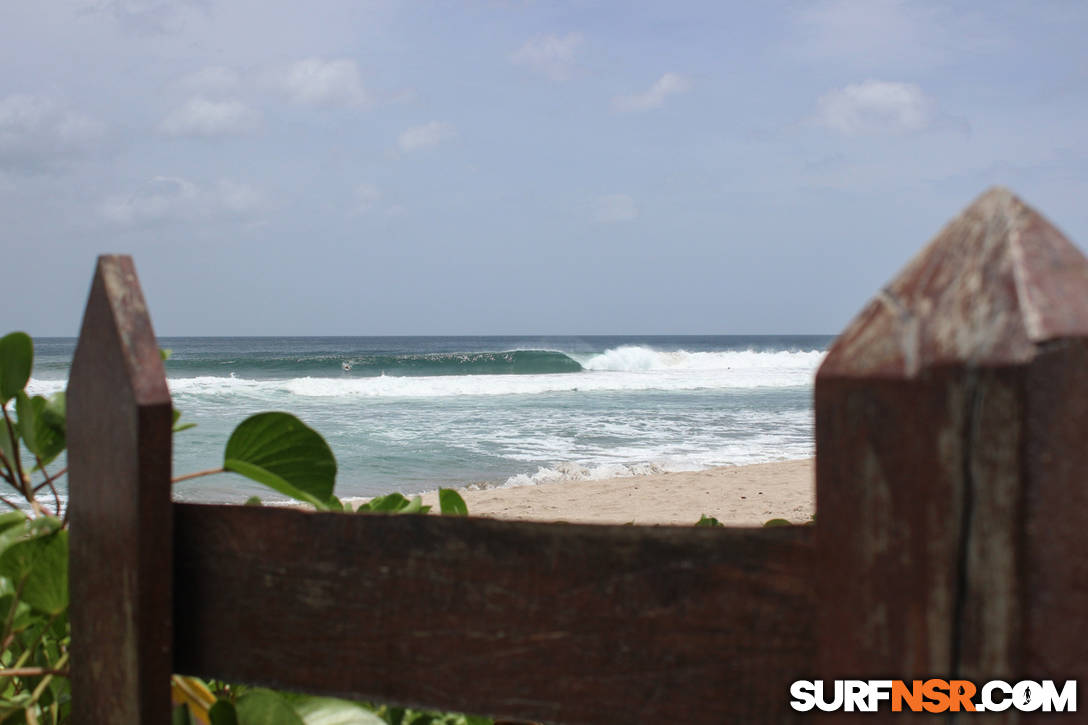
column 747, row 495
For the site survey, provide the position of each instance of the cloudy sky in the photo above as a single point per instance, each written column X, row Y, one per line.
column 488, row 167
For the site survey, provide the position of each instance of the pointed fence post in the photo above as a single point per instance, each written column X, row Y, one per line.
column 120, row 574
column 952, row 461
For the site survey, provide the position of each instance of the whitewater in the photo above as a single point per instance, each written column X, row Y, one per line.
column 411, row 414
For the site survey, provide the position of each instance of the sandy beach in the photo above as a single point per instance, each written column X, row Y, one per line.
column 735, row 495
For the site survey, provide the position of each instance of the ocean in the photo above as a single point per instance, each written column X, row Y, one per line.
column 411, row 414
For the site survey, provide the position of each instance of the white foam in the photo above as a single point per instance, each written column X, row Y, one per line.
column 572, row 471
column 638, row 357
column 45, row 387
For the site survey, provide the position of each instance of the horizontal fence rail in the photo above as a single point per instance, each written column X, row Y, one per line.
column 550, row 622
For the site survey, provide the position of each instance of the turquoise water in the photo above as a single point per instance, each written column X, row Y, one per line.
column 414, row 413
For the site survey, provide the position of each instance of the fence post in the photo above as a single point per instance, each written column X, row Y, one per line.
column 119, row 438
column 952, row 461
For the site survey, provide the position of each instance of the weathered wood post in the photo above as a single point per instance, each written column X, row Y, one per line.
column 119, row 420
column 952, row 461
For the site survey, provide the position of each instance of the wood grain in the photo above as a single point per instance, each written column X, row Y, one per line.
column 119, row 420
column 548, row 622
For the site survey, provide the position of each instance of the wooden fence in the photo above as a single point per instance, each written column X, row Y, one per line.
column 952, row 491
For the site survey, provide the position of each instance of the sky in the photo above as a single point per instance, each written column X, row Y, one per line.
column 412, row 168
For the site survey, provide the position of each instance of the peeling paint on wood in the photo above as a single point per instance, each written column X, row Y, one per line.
column 951, row 430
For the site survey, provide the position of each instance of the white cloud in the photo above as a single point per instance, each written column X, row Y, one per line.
column 171, row 199
column 213, row 80
column 37, row 133
column 667, row 85
column 203, row 117
column 614, row 208
column 875, row 107
column 551, row 55
column 425, row 136
column 317, row 82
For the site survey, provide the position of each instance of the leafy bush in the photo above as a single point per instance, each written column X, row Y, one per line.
column 274, row 449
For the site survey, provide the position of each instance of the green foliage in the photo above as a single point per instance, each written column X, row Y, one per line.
column 38, row 566
column 42, row 425
column 451, row 502
column 16, row 359
column 705, row 520
column 394, row 503
column 223, row 713
column 776, row 522
column 283, row 453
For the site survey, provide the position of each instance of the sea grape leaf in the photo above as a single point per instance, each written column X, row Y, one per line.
column 451, row 502
column 25, row 530
column 40, row 427
column 705, row 520
column 8, row 446
column 16, row 359
column 42, row 564
column 10, row 519
column 776, row 522
column 283, row 453
column 389, row 503
column 265, row 707
column 414, row 506
column 330, row 711
column 222, row 713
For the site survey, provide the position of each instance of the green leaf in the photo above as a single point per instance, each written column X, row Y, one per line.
column 180, row 715
column 39, row 426
column 265, row 707
column 451, row 502
column 414, row 506
column 222, row 713
column 10, row 519
column 705, row 520
column 8, row 446
column 30, row 529
column 283, row 453
column 16, row 359
column 56, row 409
column 165, row 353
column 390, row 503
column 43, row 564
column 776, row 522
column 329, row 711
column 253, row 501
